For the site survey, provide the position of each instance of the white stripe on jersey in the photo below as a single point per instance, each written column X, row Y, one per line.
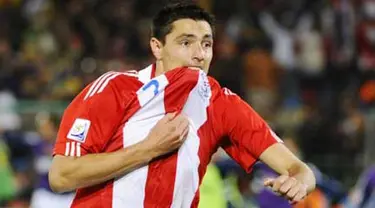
column 67, row 147
column 145, row 74
column 147, row 92
column 72, row 149
column 94, row 84
column 130, row 189
column 132, row 73
column 78, row 149
column 187, row 179
column 100, row 82
column 107, row 81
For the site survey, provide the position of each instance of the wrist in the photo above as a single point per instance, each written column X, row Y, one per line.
column 148, row 150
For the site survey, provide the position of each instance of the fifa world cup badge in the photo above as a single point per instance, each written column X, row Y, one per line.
column 79, row 130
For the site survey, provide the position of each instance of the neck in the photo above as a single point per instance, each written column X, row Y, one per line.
column 159, row 68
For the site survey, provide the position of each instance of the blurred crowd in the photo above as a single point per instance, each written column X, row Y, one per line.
column 307, row 67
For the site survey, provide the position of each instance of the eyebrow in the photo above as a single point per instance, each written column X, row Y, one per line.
column 208, row 36
column 186, row 35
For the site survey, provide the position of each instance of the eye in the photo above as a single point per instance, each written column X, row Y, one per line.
column 207, row 44
column 185, row 43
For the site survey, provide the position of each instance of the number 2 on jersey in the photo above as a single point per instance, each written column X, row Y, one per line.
column 153, row 83
column 152, row 89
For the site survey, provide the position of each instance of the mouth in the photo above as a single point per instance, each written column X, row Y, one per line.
column 195, row 67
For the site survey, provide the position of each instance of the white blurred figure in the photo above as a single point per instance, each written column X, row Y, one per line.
column 363, row 193
column 42, row 143
column 9, row 120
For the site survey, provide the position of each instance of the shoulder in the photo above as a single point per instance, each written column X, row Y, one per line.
column 214, row 83
column 112, row 83
column 216, row 89
column 223, row 99
column 112, row 88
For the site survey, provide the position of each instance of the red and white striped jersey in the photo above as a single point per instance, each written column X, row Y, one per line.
column 119, row 109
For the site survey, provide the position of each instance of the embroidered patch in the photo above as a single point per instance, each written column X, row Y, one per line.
column 79, row 130
column 204, row 86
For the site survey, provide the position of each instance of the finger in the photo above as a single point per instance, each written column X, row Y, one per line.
column 179, row 129
column 268, row 182
column 178, row 119
column 300, row 195
column 185, row 127
column 278, row 182
column 287, row 185
column 293, row 191
column 184, row 130
column 184, row 134
column 183, row 124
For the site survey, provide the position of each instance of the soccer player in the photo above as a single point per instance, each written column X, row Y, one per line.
column 144, row 139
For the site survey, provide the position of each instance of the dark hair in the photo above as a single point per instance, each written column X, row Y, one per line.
column 162, row 22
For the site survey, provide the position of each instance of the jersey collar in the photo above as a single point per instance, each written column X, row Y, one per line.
column 147, row 73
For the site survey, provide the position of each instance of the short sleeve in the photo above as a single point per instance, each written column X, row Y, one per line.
column 247, row 134
column 90, row 121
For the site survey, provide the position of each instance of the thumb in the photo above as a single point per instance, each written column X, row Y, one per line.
column 268, row 182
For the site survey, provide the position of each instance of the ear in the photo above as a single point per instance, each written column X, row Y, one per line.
column 156, row 48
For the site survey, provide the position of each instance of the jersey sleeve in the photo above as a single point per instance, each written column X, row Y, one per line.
column 247, row 135
column 90, row 121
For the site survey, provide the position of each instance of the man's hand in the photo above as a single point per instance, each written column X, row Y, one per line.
column 288, row 187
column 168, row 134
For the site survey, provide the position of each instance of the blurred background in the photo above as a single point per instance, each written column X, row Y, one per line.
column 307, row 67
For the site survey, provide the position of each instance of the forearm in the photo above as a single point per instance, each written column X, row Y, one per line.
column 94, row 169
column 280, row 159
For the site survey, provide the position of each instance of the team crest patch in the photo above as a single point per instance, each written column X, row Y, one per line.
column 204, row 87
column 79, row 130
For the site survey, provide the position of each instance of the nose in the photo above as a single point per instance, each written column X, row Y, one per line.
column 199, row 53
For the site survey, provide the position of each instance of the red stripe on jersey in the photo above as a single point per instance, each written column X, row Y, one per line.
column 160, row 182
column 99, row 196
column 153, row 71
column 162, row 172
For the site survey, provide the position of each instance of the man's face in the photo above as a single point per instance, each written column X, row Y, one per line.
column 188, row 44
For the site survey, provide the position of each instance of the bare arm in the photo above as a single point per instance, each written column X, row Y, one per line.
column 69, row 173
column 296, row 180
